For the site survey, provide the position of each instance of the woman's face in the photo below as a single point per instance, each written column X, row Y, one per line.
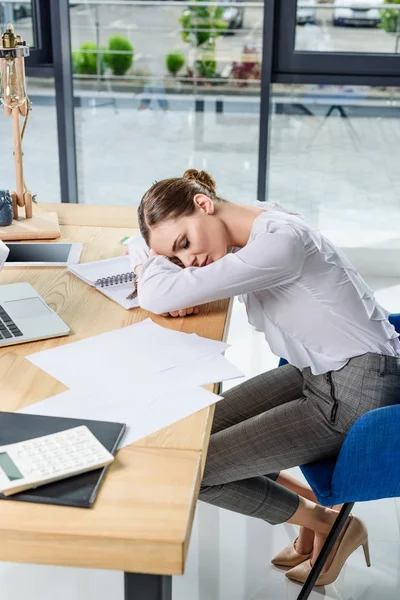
column 196, row 240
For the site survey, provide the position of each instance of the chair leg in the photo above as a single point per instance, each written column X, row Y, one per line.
column 326, row 549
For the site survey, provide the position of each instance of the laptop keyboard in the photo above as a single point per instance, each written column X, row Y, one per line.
column 8, row 328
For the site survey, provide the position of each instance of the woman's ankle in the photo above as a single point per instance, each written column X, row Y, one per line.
column 305, row 542
column 325, row 518
column 313, row 516
column 319, row 541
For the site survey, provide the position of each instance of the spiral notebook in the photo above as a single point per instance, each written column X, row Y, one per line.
column 112, row 277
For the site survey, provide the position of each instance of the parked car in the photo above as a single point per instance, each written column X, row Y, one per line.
column 306, row 13
column 356, row 12
column 233, row 16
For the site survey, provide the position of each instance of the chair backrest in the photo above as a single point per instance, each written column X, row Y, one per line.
column 368, row 466
column 395, row 321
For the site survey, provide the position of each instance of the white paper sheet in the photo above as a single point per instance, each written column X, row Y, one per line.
column 205, row 370
column 144, row 375
column 129, row 354
column 140, row 395
column 144, row 408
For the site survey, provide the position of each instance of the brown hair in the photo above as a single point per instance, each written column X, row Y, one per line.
column 172, row 198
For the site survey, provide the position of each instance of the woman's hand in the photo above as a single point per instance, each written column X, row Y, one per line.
column 138, row 268
column 185, row 312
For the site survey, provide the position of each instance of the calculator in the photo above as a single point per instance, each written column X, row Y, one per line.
column 29, row 464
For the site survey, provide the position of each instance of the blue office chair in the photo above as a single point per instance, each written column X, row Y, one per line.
column 367, row 468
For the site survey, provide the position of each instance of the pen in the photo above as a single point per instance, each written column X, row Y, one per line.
column 133, row 294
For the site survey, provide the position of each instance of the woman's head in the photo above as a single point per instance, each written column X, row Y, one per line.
column 181, row 218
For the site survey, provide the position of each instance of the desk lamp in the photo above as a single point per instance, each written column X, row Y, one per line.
column 17, row 104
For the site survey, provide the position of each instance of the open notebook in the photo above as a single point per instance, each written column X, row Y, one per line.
column 112, row 277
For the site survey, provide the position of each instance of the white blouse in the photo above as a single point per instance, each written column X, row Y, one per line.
column 301, row 291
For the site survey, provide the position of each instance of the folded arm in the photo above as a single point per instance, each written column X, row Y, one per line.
column 138, row 250
column 269, row 260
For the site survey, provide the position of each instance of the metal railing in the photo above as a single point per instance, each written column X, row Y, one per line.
column 232, row 61
column 229, row 55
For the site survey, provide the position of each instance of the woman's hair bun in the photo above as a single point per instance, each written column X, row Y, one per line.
column 201, row 177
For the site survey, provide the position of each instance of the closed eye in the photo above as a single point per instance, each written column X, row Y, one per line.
column 185, row 244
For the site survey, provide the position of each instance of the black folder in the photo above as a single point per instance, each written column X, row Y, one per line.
column 79, row 491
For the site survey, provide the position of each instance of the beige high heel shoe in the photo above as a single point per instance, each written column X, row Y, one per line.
column 356, row 535
column 289, row 557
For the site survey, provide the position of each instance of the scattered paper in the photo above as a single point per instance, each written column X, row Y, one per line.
column 129, row 354
column 145, row 376
column 205, row 370
column 144, row 408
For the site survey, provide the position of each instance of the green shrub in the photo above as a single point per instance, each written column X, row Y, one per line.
column 76, row 61
column 202, row 24
column 175, row 61
column 390, row 17
column 206, row 68
column 84, row 62
column 119, row 63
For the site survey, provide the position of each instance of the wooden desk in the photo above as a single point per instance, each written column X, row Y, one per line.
column 142, row 518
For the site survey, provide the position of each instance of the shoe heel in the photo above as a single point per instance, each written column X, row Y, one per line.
column 365, row 546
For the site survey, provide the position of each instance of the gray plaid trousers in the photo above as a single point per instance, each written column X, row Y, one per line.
column 285, row 418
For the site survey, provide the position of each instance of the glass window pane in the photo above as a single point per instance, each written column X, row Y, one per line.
column 348, row 26
column 18, row 14
column 334, row 158
column 188, row 97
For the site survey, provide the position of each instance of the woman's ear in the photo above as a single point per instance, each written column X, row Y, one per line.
column 204, row 203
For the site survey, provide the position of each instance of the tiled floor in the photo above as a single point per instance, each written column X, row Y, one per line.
column 229, row 554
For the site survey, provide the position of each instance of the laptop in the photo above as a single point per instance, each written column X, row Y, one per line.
column 24, row 315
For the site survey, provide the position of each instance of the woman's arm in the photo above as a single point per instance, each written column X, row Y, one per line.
column 138, row 251
column 271, row 259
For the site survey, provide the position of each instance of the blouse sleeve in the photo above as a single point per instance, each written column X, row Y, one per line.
column 271, row 259
column 138, row 251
